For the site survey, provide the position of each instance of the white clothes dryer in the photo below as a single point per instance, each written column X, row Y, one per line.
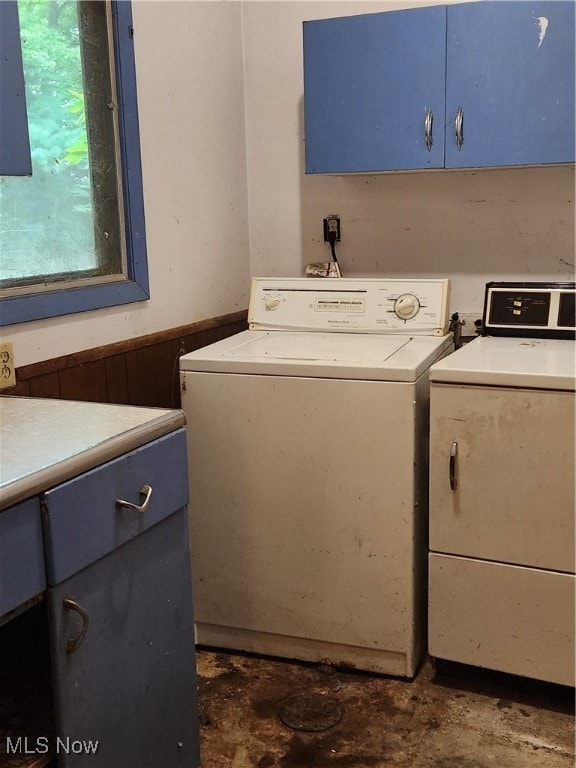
column 502, row 488
column 308, row 457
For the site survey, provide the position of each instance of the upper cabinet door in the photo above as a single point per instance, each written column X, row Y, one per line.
column 510, row 69
column 15, row 159
column 369, row 82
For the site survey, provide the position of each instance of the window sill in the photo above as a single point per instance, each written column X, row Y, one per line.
column 38, row 306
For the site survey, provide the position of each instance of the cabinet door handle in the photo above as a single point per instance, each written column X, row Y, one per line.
column 459, row 128
column 453, row 468
column 145, row 491
column 74, row 643
column 428, row 121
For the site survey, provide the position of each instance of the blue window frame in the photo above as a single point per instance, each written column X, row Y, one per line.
column 132, row 285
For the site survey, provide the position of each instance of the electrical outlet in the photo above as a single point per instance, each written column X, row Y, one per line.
column 7, row 369
column 469, row 322
column 331, row 225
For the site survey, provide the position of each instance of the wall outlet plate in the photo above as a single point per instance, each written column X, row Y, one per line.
column 7, row 368
column 331, row 224
column 469, row 319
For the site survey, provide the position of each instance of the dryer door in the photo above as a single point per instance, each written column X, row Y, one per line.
column 511, row 495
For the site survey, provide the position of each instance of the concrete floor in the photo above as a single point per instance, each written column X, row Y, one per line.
column 449, row 717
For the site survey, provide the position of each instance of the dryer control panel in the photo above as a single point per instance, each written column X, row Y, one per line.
column 350, row 305
column 541, row 310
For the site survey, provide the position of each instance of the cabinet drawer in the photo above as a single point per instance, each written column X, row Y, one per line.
column 22, row 573
column 499, row 616
column 83, row 520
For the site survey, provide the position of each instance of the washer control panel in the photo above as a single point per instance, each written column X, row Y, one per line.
column 416, row 307
column 545, row 310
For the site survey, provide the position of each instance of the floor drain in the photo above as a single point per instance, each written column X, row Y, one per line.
column 310, row 713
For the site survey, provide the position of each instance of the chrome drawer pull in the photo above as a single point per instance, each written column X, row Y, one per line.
column 453, row 459
column 74, row 643
column 146, row 491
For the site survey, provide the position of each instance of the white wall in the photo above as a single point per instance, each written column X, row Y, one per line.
column 469, row 226
column 191, row 112
column 221, row 123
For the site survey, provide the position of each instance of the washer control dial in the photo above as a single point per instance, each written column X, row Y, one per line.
column 406, row 306
column 271, row 303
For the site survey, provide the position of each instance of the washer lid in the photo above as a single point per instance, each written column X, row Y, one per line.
column 320, row 355
column 511, row 362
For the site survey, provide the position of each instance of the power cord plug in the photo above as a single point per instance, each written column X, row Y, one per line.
column 332, row 236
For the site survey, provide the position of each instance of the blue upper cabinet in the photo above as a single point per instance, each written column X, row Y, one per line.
column 372, row 85
column 459, row 86
column 15, row 157
column 510, row 70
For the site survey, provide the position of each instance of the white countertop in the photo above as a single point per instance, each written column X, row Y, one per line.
column 45, row 442
column 511, row 362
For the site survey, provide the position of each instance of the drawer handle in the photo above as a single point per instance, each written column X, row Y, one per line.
column 145, row 491
column 74, row 643
column 453, row 460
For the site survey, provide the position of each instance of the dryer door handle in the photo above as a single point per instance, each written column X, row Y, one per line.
column 453, row 466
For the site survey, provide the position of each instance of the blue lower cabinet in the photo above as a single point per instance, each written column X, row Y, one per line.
column 120, row 611
column 510, row 70
column 123, row 656
column 22, row 572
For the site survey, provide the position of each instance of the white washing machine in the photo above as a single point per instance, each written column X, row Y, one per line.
column 502, row 485
column 308, row 471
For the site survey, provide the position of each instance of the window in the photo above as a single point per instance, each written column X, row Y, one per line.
column 72, row 234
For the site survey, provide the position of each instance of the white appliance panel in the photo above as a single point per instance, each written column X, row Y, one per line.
column 511, row 362
column 321, row 355
column 355, row 305
column 308, row 471
column 327, row 347
column 514, row 499
column 499, row 616
column 308, row 517
column 502, row 500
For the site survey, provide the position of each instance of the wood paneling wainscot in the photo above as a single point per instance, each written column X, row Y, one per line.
column 141, row 371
